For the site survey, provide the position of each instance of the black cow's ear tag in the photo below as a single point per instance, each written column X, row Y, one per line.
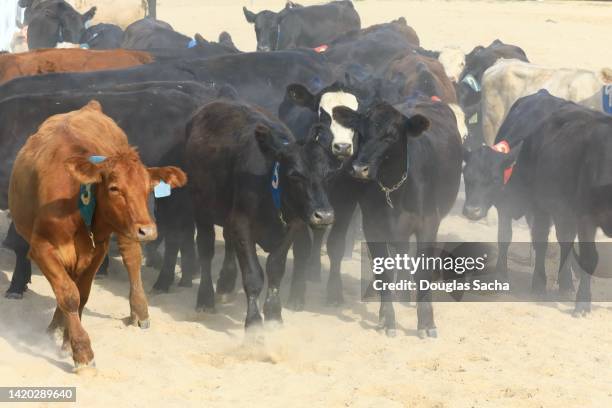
column 162, row 190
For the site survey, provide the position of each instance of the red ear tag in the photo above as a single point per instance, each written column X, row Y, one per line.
column 321, row 48
column 435, row 99
column 504, row 147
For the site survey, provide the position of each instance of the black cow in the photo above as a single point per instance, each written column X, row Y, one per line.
column 469, row 85
column 103, row 37
column 259, row 78
column 54, row 21
column 149, row 33
column 295, row 27
column 201, row 49
column 158, row 130
column 374, row 46
column 563, row 174
column 412, row 184
column 248, row 174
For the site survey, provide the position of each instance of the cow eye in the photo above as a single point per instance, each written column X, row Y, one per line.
column 113, row 189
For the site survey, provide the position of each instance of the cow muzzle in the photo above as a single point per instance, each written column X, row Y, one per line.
column 342, row 150
column 321, row 218
column 474, row 213
column 361, row 171
column 146, row 232
column 264, row 48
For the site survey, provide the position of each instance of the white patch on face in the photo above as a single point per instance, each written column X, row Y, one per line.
column 463, row 130
column 342, row 136
column 453, row 61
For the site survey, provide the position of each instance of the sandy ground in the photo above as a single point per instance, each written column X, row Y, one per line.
column 487, row 355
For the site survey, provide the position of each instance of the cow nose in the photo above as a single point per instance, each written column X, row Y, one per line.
column 264, row 48
column 322, row 217
column 473, row 213
column 361, row 171
column 342, row 149
column 146, row 232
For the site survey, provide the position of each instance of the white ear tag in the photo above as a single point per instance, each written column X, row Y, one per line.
column 162, row 190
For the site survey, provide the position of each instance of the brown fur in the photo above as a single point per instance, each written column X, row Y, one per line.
column 408, row 65
column 47, row 61
column 43, row 198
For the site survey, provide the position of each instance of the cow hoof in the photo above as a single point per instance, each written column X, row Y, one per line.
column 581, row 309
column 422, row 333
column 225, row 298
column 144, row 324
column 185, row 283
column 87, row 369
column 13, row 295
column 433, row 333
column 391, row 332
column 158, row 289
column 206, row 309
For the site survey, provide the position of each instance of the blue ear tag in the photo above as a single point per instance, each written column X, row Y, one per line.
column 471, row 82
column 96, row 159
column 275, row 186
column 162, row 190
column 192, row 43
column 606, row 102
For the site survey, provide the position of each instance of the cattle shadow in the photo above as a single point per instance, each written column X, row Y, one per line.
column 23, row 325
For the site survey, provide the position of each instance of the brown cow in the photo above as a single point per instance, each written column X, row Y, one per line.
column 45, row 61
column 45, row 194
column 422, row 74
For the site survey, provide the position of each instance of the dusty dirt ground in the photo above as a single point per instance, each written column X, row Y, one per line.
column 487, row 355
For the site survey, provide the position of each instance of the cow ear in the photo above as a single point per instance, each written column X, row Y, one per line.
column 89, row 14
column 415, row 125
column 83, row 170
column 302, row 96
column 199, row 39
column 169, row 174
column 249, row 15
column 510, row 158
column 347, row 117
column 269, row 143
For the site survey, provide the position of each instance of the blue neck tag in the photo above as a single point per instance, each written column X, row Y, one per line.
column 606, row 103
column 87, row 197
column 162, row 190
column 87, row 203
column 275, row 186
column 192, row 43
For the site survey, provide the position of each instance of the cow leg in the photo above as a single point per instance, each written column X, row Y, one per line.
column 539, row 237
column 152, row 258
column 302, row 249
column 188, row 257
column 504, row 238
column 165, row 279
column 206, row 252
column 131, row 253
column 566, row 234
column 103, row 271
column 386, row 312
column 229, row 271
column 23, row 267
column 336, row 243
column 314, row 261
column 275, row 269
column 68, row 300
column 426, row 326
column 252, row 274
column 588, row 260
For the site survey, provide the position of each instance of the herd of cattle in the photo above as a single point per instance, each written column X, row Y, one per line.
column 278, row 144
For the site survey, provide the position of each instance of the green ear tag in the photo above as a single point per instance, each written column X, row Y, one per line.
column 87, row 203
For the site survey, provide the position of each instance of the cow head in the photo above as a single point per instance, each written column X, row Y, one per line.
column 343, row 141
column 483, row 176
column 103, row 37
column 382, row 128
column 267, row 28
column 122, row 185
column 304, row 170
column 56, row 22
column 453, row 60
